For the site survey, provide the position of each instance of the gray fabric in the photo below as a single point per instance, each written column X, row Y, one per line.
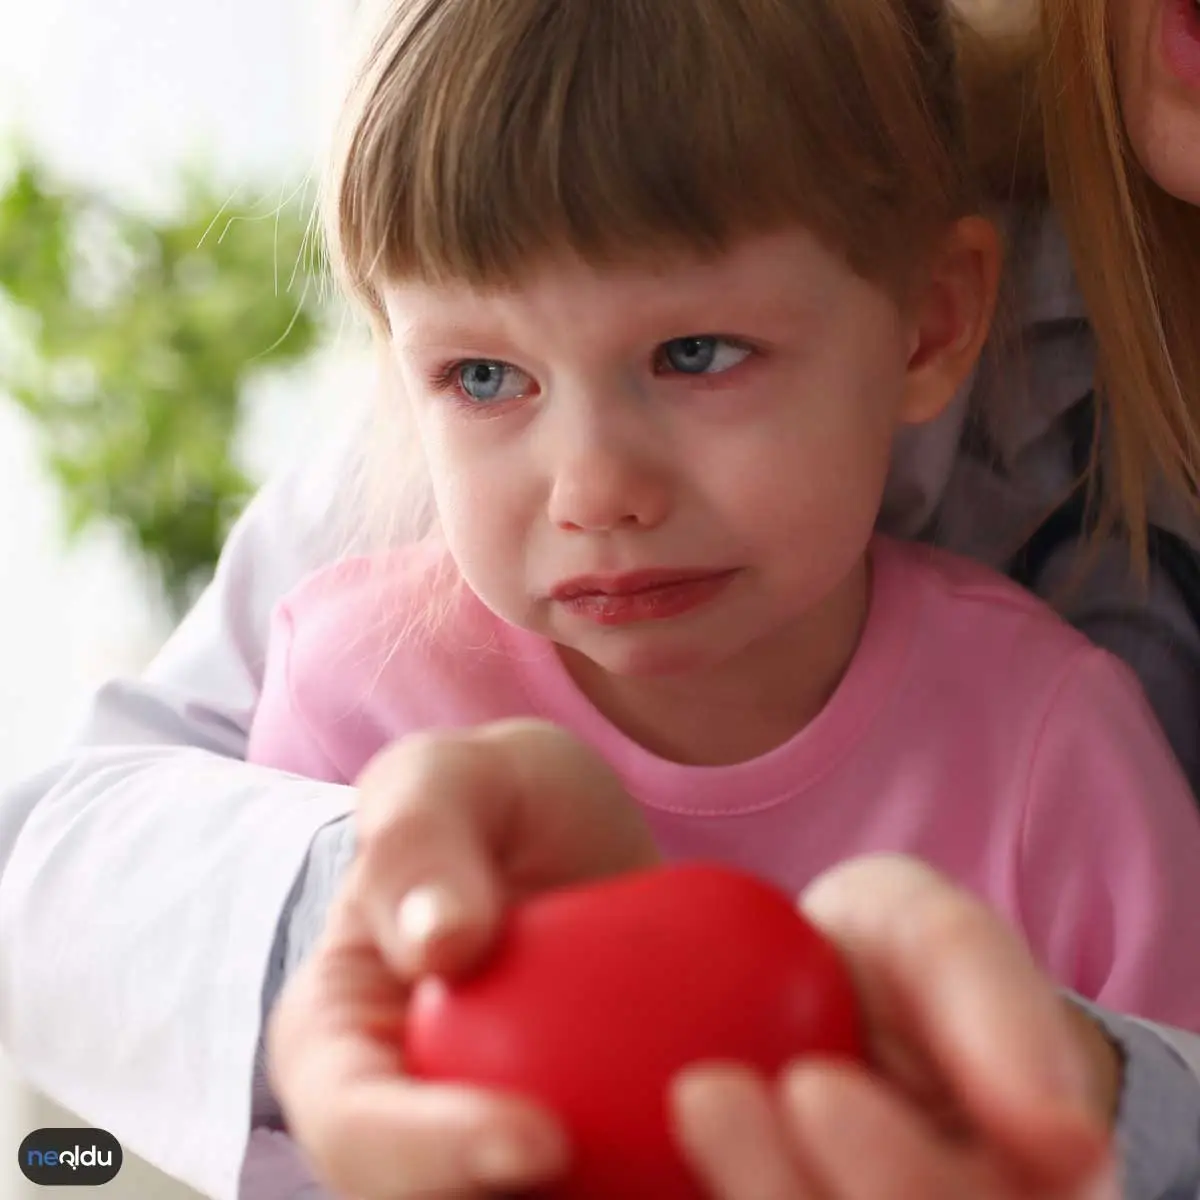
column 300, row 924
column 275, row 1169
column 1158, row 1128
column 1147, row 626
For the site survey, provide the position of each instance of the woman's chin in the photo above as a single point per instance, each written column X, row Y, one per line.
column 1170, row 155
column 1160, row 97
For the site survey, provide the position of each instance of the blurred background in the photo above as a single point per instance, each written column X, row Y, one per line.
column 163, row 342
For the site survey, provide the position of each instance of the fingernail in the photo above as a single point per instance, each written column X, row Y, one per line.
column 502, row 1160
column 428, row 913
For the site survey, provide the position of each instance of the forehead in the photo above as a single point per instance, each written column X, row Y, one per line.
column 786, row 269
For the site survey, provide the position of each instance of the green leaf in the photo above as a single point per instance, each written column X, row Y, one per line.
column 132, row 343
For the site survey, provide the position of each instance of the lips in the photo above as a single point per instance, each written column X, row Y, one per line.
column 631, row 583
column 1181, row 40
column 637, row 596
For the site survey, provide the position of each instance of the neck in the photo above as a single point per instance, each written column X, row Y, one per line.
column 743, row 708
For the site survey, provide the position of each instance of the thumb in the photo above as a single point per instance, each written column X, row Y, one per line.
column 944, row 982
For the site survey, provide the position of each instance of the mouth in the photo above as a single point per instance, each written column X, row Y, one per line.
column 630, row 583
column 653, row 595
column 1181, row 40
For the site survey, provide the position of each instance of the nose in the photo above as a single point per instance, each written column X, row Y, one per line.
column 608, row 470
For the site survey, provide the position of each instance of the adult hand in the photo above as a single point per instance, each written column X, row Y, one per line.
column 985, row 1082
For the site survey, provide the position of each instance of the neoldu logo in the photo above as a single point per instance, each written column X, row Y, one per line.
column 69, row 1157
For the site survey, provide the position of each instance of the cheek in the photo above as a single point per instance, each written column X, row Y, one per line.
column 1129, row 34
column 824, row 459
column 825, row 511
column 829, row 481
column 479, row 509
column 805, row 497
column 1161, row 118
column 457, row 481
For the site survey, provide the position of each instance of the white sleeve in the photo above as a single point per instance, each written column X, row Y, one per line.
column 142, row 874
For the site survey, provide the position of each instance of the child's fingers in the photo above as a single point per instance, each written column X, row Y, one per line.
column 335, row 1062
column 941, row 976
column 571, row 818
column 452, row 825
column 387, row 1139
column 728, row 1127
column 429, row 812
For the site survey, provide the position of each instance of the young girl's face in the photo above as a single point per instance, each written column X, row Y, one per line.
column 663, row 470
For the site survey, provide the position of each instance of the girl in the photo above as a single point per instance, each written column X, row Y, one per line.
column 155, row 782
column 641, row 368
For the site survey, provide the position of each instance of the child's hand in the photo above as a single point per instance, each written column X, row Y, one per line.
column 451, row 828
column 991, row 1092
column 994, row 1088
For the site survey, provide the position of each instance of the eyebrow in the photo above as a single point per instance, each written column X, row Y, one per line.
column 426, row 335
column 671, row 313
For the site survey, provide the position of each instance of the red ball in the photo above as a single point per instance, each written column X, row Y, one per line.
column 597, row 996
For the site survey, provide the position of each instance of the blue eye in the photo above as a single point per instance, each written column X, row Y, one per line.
column 705, row 355
column 485, row 381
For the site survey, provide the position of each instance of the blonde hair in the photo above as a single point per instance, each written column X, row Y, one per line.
column 479, row 134
column 998, row 63
column 1137, row 259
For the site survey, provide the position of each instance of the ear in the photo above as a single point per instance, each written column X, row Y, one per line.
column 952, row 308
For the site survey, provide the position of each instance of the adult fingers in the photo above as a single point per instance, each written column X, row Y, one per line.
column 945, row 983
column 861, row 1140
column 728, row 1127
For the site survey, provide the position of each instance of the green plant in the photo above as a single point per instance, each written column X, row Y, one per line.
column 130, row 340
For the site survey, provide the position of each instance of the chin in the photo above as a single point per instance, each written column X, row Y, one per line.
column 649, row 657
column 1178, row 172
column 1169, row 153
column 1162, row 121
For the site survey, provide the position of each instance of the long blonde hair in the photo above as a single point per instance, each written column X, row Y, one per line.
column 1137, row 260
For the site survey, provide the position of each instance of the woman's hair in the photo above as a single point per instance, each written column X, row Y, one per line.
column 480, row 134
column 1137, row 258
column 997, row 51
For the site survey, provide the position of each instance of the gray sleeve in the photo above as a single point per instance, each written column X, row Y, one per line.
column 1149, row 627
column 275, row 1168
column 1158, row 1121
column 303, row 917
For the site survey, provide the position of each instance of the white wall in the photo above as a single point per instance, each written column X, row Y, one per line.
column 117, row 92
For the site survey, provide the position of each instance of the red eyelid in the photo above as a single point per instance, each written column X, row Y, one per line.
column 709, row 379
column 447, row 380
column 447, row 375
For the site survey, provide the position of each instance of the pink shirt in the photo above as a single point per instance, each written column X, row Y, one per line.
column 973, row 729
